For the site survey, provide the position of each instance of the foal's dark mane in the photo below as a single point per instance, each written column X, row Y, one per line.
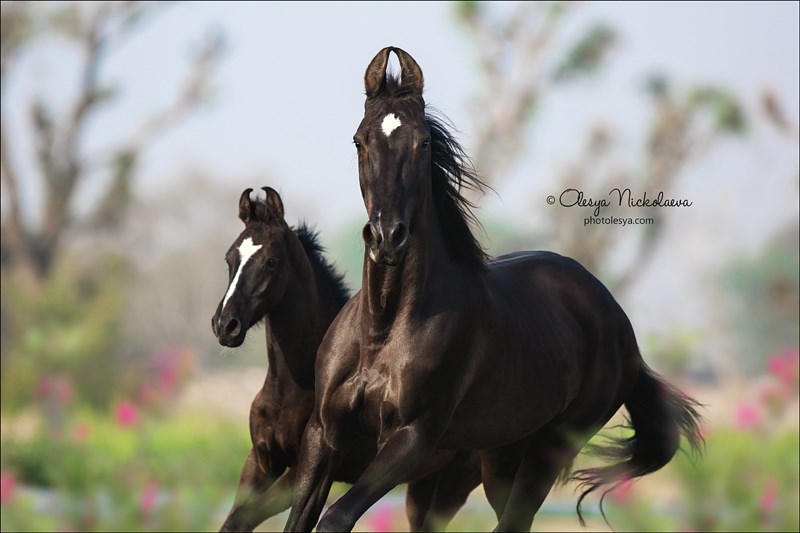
column 316, row 256
column 261, row 212
column 452, row 171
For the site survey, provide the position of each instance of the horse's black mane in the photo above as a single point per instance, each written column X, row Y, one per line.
column 316, row 255
column 452, row 170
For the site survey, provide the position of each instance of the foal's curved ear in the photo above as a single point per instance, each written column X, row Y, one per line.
column 375, row 76
column 245, row 207
column 274, row 201
column 410, row 73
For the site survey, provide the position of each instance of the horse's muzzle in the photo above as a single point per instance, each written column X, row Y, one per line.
column 387, row 242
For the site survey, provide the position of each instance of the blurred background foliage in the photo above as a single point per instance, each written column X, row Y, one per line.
column 114, row 412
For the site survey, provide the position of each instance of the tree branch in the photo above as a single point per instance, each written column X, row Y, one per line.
column 11, row 181
column 58, row 158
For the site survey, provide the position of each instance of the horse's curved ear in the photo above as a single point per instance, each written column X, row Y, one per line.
column 410, row 73
column 375, row 76
column 245, row 207
column 274, row 201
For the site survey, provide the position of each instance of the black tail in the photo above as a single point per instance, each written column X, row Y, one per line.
column 659, row 414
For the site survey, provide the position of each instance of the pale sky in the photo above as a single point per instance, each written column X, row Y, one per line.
column 289, row 95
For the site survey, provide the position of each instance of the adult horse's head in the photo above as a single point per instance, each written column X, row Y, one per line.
column 394, row 155
column 258, row 268
column 410, row 167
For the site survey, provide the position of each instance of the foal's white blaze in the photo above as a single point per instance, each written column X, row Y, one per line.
column 390, row 123
column 246, row 251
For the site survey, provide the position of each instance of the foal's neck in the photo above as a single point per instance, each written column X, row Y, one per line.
column 295, row 327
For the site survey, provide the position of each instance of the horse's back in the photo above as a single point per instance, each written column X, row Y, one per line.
column 540, row 274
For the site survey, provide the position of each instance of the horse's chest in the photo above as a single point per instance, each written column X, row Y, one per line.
column 371, row 398
column 377, row 405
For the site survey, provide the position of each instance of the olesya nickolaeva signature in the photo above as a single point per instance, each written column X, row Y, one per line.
column 620, row 197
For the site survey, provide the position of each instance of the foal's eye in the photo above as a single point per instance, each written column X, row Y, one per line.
column 272, row 262
column 357, row 144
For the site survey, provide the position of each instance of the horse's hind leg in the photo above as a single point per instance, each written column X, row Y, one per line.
column 419, row 498
column 258, row 497
column 544, row 459
column 499, row 466
column 431, row 502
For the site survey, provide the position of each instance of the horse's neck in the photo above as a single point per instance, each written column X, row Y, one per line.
column 294, row 329
column 388, row 290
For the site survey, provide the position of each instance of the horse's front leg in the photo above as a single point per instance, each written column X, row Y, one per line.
column 404, row 450
column 258, row 496
column 313, row 478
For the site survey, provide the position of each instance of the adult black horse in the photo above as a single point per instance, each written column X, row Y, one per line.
column 524, row 357
column 280, row 275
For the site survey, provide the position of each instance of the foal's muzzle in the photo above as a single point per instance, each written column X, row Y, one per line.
column 228, row 330
column 386, row 241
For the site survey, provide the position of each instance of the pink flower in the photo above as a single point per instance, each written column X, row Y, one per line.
column 82, row 432
column 62, row 390
column 169, row 377
column 622, row 492
column 747, row 416
column 785, row 366
column 7, row 487
column 44, row 388
column 127, row 414
column 769, row 498
column 149, row 497
column 381, row 520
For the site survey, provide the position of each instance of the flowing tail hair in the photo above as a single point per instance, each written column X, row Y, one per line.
column 659, row 414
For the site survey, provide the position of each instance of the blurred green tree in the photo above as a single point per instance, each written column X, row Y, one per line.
column 521, row 66
column 760, row 293
column 62, row 303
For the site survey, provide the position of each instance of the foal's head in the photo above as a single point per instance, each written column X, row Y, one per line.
column 394, row 155
column 258, row 268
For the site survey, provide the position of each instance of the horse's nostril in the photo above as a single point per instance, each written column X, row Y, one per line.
column 371, row 234
column 398, row 235
column 232, row 327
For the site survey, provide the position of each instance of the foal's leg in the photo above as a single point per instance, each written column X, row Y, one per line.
column 403, row 451
column 541, row 465
column 258, row 497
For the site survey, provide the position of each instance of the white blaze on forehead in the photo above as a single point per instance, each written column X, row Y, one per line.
column 390, row 123
column 246, row 251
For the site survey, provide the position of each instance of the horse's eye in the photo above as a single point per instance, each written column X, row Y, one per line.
column 357, row 143
column 272, row 262
column 426, row 144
